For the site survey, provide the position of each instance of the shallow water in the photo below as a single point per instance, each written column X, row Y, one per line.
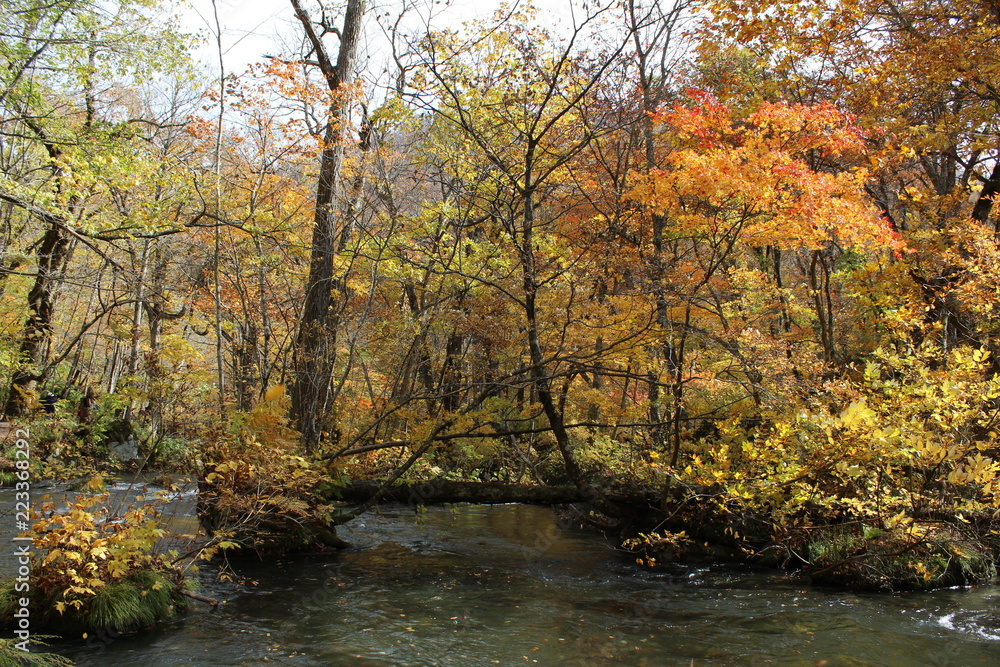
column 510, row 585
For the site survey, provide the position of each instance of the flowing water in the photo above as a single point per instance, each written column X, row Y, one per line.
column 511, row 585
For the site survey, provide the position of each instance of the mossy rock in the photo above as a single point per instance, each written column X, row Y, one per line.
column 865, row 558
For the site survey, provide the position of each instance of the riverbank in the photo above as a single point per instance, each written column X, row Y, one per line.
column 511, row 584
column 697, row 527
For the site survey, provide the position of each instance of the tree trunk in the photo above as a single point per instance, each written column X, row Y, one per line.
column 316, row 340
column 53, row 254
column 820, row 288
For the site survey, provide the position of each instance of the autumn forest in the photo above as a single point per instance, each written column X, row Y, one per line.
column 723, row 274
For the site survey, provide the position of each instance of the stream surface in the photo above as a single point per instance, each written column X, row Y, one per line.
column 511, row 585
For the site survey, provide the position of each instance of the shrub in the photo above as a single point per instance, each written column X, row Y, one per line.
column 903, row 557
column 256, row 493
column 905, row 447
column 96, row 572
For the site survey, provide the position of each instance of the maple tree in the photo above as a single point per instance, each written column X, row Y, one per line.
column 907, row 69
column 733, row 196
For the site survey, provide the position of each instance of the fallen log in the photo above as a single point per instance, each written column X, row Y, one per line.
column 439, row 492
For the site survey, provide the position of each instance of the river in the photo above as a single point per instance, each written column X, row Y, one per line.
column 510, row 585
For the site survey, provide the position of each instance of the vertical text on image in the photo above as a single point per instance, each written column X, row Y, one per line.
column 22, row 546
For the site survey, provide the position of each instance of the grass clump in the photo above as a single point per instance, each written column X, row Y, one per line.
column 136, row 602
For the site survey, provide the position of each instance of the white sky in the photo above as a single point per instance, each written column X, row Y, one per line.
column 253, row 28
column 250, row 29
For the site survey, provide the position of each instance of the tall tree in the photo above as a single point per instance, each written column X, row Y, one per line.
column 921, row 75
column 315, row 347
column 658, row 46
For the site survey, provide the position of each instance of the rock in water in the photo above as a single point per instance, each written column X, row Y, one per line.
column 125, row 451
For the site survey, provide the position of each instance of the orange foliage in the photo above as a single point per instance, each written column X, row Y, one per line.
column 768, row 180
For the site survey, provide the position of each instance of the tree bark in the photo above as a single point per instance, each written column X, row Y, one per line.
column 981, row 211
column 315, row 347
column 53, row 254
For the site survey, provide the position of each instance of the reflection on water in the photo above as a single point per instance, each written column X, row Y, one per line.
column 508, row 585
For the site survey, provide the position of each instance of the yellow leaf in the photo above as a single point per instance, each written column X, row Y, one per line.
column 856, row 413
